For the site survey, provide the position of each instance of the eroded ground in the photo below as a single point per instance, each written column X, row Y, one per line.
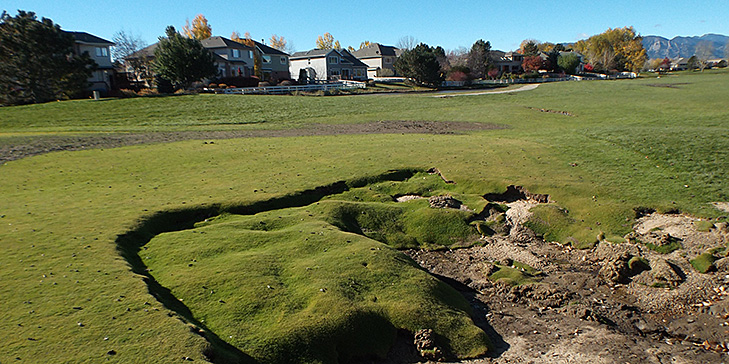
column 597, row 305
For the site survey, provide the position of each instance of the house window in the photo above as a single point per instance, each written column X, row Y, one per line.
column 266, row 59
column 334, row 72
column 283, row 60
column 102, row 52
column 250, row 54
column 388, row 60
column 236, row 53
column 333, row 60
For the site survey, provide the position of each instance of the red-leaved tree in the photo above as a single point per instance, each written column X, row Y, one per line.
column 532, row 64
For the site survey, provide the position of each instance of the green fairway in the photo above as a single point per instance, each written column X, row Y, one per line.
column 70, row 293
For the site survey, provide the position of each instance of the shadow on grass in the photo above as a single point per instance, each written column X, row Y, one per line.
column 479, row 316
column 129, row 244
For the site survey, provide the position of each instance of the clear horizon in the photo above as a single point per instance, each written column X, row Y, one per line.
column 450, row 24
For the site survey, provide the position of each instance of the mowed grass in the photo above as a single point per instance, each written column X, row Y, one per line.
column 629, row 144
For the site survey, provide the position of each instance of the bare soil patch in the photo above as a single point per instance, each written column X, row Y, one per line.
column 21, row 147
column 578, row 312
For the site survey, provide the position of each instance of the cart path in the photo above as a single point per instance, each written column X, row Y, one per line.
column 528, row 87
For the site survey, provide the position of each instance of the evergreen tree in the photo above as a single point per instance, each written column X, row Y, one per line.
column 182, row 61
column 479, row 58
column 421, row 65
column 37, row 62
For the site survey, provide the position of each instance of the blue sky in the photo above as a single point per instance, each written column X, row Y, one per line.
column 447, row 23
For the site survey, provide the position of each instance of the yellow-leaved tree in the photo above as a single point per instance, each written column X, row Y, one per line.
column 325, row 41
column 200, row 29
column 616, row 49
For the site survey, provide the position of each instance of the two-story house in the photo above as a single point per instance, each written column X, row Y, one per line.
column 98, row 49
column 507, row 61
column 275, row 63
column 231, row 58
column 327, row 65
column 380, row 59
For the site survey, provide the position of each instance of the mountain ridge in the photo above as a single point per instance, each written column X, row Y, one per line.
column 683, row 46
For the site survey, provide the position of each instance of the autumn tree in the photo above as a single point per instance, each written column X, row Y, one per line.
column 199, row 30
column 37, row 61
column 545, row 47
column 326, row 41
column 421, row 65
column 365, row 44
column 181, row 60
column 278, row 42
column 532, row 63
column 479, row 58
column 620, row 49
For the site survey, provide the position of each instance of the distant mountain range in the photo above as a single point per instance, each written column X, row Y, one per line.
column 660, row 47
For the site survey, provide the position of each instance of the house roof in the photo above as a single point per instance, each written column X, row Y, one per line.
column 145, row 52
column 313, row 53
column 351, row 58
column 83, row 37
column 321, row 53
column 376, row 50
column 222, row 42
column 269, row 50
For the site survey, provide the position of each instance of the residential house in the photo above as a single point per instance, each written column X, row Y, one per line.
column 98, row 49
column 231, row 58
column 679, row 64
column 507, row 62
column 275, row 63
column 327, row 65
column 380, row 59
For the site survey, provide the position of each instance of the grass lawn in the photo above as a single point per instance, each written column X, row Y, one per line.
column 69, row 294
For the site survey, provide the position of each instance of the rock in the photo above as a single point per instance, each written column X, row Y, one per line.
column 616, row 269
column 722, row 265
column 442, row 202
column 666, row 272
column 488, row 269
column 425, row 343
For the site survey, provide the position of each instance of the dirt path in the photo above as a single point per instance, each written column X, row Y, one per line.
column 528, row 87
column 20, row 147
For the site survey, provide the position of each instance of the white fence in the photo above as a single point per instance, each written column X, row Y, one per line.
column 280, row 90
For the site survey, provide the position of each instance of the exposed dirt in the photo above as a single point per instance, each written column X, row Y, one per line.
column 21, row 147
column 596, row 305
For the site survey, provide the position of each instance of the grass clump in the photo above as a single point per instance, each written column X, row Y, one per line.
column 703, row 225
column 704, row 263
column 518, row 274
column 671, row 246
column 554, row 223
